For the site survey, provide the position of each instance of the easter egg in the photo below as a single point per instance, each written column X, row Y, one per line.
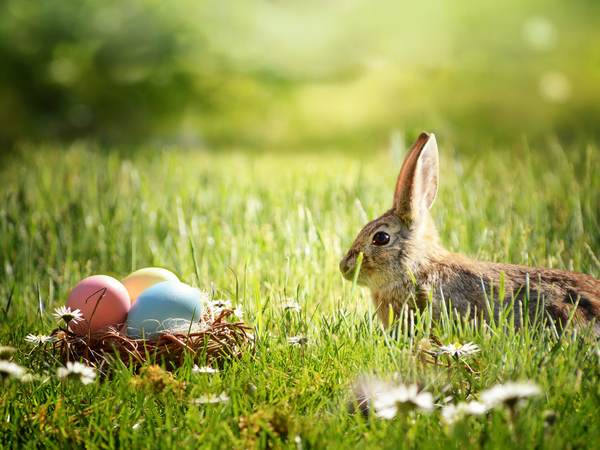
column 110, row 296
column 164, row 306
column 142, row 279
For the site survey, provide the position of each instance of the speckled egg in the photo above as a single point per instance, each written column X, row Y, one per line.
column 164, row 306
column 142, row 279
column 106, row 292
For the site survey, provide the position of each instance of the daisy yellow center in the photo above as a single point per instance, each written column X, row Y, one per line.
column 457, row 346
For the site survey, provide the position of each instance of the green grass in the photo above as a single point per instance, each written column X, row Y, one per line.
column 267, row 229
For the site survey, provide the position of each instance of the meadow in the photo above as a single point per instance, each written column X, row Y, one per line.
column 267, row 229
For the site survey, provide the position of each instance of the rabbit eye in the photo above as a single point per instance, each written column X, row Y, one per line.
column 381, row 238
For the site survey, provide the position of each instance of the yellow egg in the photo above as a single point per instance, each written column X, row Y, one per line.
column 142, row 279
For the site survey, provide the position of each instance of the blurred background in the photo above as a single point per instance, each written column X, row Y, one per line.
column 292, row 74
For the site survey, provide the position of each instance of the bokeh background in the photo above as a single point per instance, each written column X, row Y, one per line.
column 292, row 74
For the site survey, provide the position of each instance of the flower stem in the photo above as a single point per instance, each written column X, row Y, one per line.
column 460, row 382
column 66, row 339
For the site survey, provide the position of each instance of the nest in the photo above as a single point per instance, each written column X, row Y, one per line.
column 212, row 340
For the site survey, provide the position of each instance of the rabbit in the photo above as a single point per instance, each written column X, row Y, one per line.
column 404, row 243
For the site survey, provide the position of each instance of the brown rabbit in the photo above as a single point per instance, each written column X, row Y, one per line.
column 405, row 241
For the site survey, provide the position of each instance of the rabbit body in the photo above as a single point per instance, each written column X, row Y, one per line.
column 404, row 262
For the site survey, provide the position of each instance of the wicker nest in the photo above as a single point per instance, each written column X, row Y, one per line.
column 212, row 340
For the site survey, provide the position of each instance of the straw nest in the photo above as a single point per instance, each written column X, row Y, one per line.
column 212, row 340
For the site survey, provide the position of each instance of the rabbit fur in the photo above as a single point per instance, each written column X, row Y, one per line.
column 449, row 278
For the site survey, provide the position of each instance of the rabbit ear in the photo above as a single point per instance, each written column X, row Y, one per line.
column 417, row 183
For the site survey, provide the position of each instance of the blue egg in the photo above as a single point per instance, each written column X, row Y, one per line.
column 162, row 307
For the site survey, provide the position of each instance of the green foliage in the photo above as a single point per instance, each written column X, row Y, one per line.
column 110, row 69
column 268, row 229
column 296, row 74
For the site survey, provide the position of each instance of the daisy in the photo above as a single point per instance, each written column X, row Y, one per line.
column 64, row 314
column 291, row 306
column 211, row 398
column 403, row 398
column 298, row 341
column 77, row 371
column 38, row 339
column 10, row 369
column 452, row 414
column 205, row 369
column 511, row 394
column 6, row 353
column 458, row 350
column 221, row 304
column 237, row 311
column 366, row 389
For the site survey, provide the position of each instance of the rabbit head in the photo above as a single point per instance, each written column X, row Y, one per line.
column 404, row 239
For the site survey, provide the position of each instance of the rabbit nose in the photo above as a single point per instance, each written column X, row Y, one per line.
column 345, row 265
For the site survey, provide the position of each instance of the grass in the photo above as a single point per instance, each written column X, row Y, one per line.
column 265, row 229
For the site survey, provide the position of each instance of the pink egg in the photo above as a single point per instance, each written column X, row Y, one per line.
column 108, row 293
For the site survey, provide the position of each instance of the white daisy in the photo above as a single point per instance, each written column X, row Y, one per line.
column 291, row 306
column 77, row 371
column 64, row 314
column 452, row 414
column 211, row 398
column 298, row 341
column 511, row 394
column 238, row 311
column 205, row 369
column 366, row 389
column 221, row 304
column 7, row 352
column 403, row 398
column 10, row 369
column 458, row 350
column 38, row 339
